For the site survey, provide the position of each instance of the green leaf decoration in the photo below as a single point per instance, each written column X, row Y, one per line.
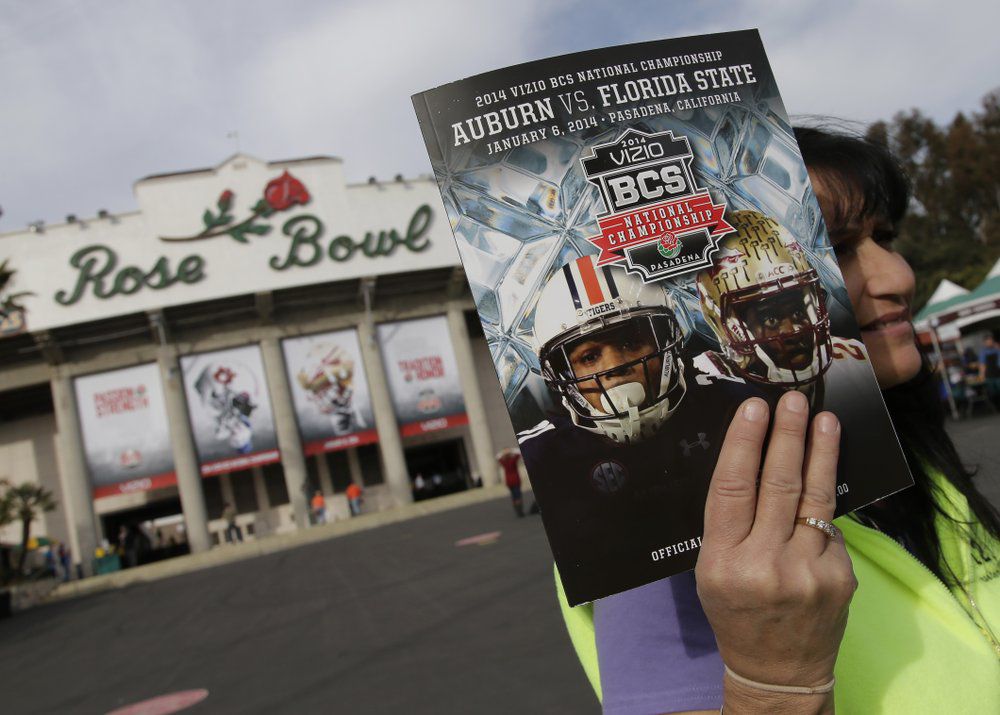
column 208, row 218
column 237, row 233
column 259, row 229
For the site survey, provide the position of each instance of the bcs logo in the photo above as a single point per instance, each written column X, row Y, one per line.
column 657, row 223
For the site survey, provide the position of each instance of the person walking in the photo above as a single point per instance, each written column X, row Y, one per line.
column 64, row 561
column 232, row 528
column 989, row 366
column 318, row 506
column 354, row 498
column 509, row 459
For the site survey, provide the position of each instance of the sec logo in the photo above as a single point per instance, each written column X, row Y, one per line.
column 609, row 477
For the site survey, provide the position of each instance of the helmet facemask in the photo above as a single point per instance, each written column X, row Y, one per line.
column 778, row 332
column 636, row 395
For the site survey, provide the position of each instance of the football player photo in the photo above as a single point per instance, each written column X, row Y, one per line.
column 765, row 304
column 328, row 379
column 610, row 349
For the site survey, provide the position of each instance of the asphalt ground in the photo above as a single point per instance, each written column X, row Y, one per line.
column 978, row 442
column 395, row 619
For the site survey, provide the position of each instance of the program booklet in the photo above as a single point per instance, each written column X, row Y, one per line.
column 645, row 252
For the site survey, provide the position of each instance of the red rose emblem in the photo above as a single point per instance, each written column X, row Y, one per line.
column 284, row 192
column 225, row 200
column 224, row 375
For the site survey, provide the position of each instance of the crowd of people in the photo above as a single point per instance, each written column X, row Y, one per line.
column 974, row 377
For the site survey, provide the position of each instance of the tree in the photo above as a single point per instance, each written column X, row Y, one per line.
column 26, row 502
column 953, row 227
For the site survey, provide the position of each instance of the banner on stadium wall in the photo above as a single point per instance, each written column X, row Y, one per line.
column 330, row 391
column 422, row 373
column 229, row 409
column 126, row 438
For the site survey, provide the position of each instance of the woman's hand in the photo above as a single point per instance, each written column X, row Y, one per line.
column 776, row 593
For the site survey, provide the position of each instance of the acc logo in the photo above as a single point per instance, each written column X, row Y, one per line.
column 130, row 458
column 657, row 223
column 608, row 477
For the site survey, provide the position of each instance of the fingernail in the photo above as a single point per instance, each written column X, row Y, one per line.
column 827, row 423
column 796, row 401
column 754, row 410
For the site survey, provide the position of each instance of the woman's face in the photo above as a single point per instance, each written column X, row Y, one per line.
column 880, row 284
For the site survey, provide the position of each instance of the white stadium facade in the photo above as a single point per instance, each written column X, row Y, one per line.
column 256, row 332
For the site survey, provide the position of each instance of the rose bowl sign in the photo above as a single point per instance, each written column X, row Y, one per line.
column 657, row 223
column 243, row 226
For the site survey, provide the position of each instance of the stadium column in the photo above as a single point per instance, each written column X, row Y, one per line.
column 74, row 479
column 354, row 465
column 226, row 487
column 293, row 458
column 260, row 489
column 390, row 444
column 186, row 465
column 482, row 440
column 323, row 471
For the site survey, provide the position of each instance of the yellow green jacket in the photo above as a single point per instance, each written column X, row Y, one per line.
column 912, row 645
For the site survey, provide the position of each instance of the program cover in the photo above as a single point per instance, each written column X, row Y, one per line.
column 645, row 252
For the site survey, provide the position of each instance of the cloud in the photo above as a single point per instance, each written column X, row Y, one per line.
column 344, row 84
column 99, row 94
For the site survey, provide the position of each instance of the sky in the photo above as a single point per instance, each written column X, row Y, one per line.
column 100, row 93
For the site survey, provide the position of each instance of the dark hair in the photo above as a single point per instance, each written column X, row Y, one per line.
column 868, row 182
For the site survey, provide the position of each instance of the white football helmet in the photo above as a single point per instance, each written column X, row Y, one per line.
column 585, row 302
column 760, row 262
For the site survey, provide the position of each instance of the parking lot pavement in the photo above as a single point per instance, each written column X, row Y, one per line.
column 978, row 443
column 395, row 619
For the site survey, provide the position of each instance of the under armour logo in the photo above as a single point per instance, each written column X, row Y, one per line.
column 702, row 442
column 609, row 477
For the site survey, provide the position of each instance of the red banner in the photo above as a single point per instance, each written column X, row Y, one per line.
column 244, row 461
column 334, row 444
column 140, row 484
column 662, row 220
column 433, row 425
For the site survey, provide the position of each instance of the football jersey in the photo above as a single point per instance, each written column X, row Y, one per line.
column 619, row 516
column 851, row 392
column 845, row 389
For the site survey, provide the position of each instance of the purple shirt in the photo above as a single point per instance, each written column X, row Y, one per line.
column 656, row 650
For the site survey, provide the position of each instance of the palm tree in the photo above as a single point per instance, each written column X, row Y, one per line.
column 6, row 517
column 26, row 502
column 11, row 302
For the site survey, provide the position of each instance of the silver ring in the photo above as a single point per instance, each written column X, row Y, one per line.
column 826, row 527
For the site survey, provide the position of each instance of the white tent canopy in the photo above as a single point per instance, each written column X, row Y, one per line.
column 994, row 271
column 946, row 289
column 962, row 311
